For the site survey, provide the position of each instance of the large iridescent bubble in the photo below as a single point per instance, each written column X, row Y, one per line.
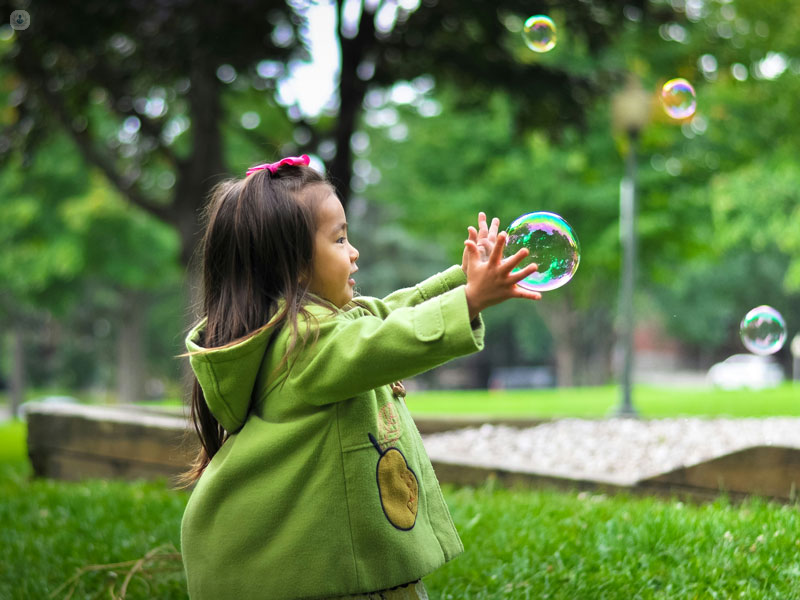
column 763, row 330
column 539, row 33
column 553, row 246
column 678, row 98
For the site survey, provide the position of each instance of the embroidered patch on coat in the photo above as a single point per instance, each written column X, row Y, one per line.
column 389, row 428
column 398, row 488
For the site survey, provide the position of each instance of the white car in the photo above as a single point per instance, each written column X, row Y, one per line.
column 746, row 371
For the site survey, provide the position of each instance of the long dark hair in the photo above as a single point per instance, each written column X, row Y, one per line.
column 256, row 250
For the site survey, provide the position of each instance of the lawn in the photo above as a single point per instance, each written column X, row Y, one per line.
column 588, row 402
column 597, row 402
column 519, row 543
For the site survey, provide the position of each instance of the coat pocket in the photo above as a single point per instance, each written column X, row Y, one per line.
column 428, row 321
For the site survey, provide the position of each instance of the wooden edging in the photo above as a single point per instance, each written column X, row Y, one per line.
column 74, row 442
column 661, row 486
column 437, row 424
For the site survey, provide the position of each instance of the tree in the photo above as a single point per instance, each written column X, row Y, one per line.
column 128, row 84
column 70, row 240
column 155, row 99
column 155, row 96
column 454, row 165
column 39, row 258
column 441, row 169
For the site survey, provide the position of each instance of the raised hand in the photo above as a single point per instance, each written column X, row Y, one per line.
column 485, row 238
column 491, row 282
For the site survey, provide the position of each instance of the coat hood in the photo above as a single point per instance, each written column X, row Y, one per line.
column 228, row 375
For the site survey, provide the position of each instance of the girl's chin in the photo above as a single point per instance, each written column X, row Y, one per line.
column 346, row 297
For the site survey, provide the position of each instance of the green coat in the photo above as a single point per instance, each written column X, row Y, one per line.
column 325, row 488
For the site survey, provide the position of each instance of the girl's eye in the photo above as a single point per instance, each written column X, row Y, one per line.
column 341, row 240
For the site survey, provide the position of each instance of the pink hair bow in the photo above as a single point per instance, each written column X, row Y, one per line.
column 295, row 161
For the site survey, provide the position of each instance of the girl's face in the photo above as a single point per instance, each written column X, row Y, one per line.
column 334, row 259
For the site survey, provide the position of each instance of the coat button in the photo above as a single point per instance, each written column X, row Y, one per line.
column 398, row 389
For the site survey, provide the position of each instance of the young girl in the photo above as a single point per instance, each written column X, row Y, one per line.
column 312, row 481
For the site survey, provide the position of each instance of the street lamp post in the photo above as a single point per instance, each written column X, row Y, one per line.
column 630, row 112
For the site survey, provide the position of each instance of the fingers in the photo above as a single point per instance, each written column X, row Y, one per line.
column 524, row 272
column 497, row 251
column 473, row 234
column 493, row 229
column 488, row 232
column 512, row 261
column 483, row 231
column 471, row 248
column 486, row 246
column 527, row 294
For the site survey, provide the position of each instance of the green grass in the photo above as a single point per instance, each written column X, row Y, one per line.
column 589, row 402
column 547, row 544
column 603, row 401
column 50, row 529
column 519, row 543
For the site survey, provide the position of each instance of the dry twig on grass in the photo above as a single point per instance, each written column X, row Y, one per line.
column 165, row 553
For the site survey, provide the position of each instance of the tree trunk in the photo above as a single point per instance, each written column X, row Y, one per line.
column 130, row 349
column 583, row 355
column 351, row 97
column 565, row 364
column 17, row 380
column 561, row 321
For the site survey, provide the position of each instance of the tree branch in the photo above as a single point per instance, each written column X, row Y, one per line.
column 27, row 66
column 112, row 80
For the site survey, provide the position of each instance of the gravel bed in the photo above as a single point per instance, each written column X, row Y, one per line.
column 616, row 450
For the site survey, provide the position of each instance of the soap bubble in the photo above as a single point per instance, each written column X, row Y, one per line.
column 763, row 330
column 552, row 245
column 539, row 33
column 678, row 98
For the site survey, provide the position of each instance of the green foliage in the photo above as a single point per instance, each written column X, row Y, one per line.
column 758, row 208
column 453, row 166
column 60, row 229
column 41, row 256
column 74, row 249
column 717, row 218
column 123, row 246
column 520, row 131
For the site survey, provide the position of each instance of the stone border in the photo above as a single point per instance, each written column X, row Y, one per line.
column 75, row 441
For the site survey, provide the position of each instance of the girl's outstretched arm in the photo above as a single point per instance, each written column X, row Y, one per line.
column 435, row 285
column 357, row 351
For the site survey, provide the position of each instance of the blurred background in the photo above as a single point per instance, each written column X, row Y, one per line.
column 116, row 119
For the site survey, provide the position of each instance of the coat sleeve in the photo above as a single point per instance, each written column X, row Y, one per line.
column 354, row 355
column 433, row 286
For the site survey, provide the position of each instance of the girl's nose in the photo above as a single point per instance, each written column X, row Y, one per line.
column 353, row 254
